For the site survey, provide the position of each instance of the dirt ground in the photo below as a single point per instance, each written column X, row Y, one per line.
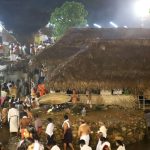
column 110, row 116
column 106, row 115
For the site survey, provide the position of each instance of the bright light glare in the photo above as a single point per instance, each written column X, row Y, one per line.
column 87, row 25
column 113, row 24
column 1, row 27
column 125, row 26
column 142, row 8
column 97, row 25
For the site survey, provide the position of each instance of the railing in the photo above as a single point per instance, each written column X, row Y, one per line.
column 143, row 101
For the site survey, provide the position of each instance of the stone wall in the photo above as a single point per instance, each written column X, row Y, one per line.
column 126, row 101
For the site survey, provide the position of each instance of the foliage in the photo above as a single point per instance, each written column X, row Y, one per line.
column 70, row 14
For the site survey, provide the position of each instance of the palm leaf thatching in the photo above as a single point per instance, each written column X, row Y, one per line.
column 99, row 58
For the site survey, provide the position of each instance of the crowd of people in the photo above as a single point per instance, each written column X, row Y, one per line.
column 17, row 114
column 18, row 51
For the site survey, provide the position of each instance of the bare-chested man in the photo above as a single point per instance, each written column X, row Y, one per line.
column 74, row 97
column 84, row 131
column 24, row 122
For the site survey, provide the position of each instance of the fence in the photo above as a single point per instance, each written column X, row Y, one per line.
column 144, row 102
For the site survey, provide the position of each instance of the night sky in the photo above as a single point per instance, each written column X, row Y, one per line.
column 27, row 16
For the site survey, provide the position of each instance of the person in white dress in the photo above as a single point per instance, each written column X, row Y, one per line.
column 100, row 134
column 120, row 145
column 103, row 129
column 84, row 146
column 105, row 144
column 13, row 119
column 49, row 132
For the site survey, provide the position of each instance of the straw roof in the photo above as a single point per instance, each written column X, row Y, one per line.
column 99, row 58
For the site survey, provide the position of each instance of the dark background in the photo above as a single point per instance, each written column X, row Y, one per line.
column 27, row 16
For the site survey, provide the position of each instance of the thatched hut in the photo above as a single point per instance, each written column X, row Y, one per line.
column 99, row 58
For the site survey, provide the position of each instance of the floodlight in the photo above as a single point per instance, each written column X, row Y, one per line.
column 97, row 25
column 113, row 24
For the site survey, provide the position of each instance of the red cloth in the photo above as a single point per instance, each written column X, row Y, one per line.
column 106, row 147
column 42, row 89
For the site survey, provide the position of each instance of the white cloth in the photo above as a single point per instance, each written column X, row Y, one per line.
column 85, row 147
column 50, row 129
column 38, row 146
column 37, row 102
column 103, row 130
column 66, row 121
column 121, row 147
column 13, row 119
column 8, row 85
column 98, row 147
column 3, row 93
column 55, row 147
column 86, row 138
column 105, row 143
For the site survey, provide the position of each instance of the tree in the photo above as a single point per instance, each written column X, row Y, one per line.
column 70, row 14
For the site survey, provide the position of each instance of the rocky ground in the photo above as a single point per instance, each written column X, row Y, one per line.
column 126, row 124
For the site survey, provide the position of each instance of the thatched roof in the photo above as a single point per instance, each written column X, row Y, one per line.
column 76, row 39
column 100, row 58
